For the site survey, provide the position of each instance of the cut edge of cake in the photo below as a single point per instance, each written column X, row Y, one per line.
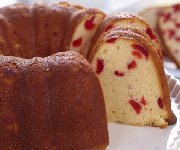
column 115, row 33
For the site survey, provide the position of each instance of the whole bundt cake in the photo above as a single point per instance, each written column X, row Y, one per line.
column 52, row 99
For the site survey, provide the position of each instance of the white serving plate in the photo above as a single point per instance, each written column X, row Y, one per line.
column 124, row 137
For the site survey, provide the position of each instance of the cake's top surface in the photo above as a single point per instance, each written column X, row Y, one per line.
column 68, row 58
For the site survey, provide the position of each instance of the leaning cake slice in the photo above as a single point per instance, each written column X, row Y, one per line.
column 127, row 20
column 132, row 78
column 169, row 28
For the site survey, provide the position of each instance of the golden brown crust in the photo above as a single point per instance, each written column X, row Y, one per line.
column 59, row 111
column 12, row 39
column 123, row 33
column 144, row 34
column 20, row 20
column 9, row 137
column 57, row 19
column 118, row 17
column 5, row 44
column 40, row 12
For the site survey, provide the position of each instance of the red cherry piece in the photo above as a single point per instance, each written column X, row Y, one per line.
column 176, row 7
column 77, row 42
column 171, row 33
column 136, row 106
column 177, row 25
column 8, row 119
column 110, row 26
column 119, row 73
column 89, row 23
column 112, row 40
column 150, row 33
column 177, row 38
column 160, row 103
column 167, row 17
column 137, row 54
column 143, row 101
column 132, row 65
column 99, row 66
column 142, row 49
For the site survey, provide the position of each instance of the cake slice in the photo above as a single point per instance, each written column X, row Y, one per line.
column 169, row 28
column 127, row 20
column 80, row 29
column 132, row 78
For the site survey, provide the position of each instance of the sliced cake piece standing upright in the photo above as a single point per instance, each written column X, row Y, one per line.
column 133, row 79
column 169, row 28
column 80, row 29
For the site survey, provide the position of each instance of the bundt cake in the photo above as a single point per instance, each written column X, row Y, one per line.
column 127, row 20
column 169, row 28
column 132, row 78
column 52, row 99
column 43, row 106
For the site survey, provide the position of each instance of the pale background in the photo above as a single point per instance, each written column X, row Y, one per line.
column 106, row 5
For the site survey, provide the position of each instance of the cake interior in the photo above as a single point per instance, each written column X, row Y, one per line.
column 134, row 102
column 84, row 33
column 171, row 32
